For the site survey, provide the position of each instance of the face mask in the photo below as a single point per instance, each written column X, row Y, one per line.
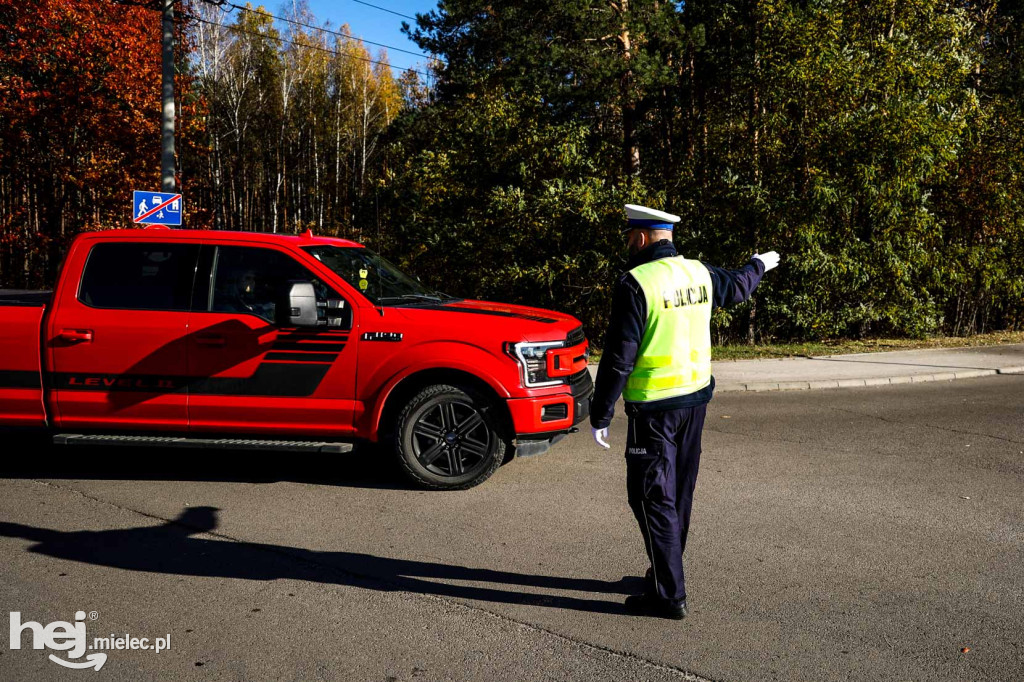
column 247, row 288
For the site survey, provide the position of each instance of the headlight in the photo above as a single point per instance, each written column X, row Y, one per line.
column 533, row 362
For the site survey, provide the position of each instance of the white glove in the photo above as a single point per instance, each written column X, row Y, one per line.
column 600, row 437
column 770, row 259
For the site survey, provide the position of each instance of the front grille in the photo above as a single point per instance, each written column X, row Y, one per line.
column 575, row 337
column 580, row 383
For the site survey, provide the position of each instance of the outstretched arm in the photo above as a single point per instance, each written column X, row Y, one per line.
column 730, row 287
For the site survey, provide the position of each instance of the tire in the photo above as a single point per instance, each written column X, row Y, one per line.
column 448, row 438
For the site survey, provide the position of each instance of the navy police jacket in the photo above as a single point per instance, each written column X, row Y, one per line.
column 626, row 331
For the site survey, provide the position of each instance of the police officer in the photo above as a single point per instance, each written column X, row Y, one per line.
column 657, row 354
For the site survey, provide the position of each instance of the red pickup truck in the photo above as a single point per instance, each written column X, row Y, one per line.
column 230, row 339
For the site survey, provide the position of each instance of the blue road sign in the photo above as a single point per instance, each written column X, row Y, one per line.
column 156, row 208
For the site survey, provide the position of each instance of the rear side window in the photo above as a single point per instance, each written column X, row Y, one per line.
column 144, row 276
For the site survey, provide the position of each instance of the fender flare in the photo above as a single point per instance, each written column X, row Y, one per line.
column 464, row 358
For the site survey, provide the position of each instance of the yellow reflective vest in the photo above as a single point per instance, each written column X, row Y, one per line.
column 675, row 353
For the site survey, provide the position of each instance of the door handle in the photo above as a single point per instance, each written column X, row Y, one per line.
column 75, row 335
column 210, row 340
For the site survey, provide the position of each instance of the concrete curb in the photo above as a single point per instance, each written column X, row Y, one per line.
column 766, row 386
column 860, row 383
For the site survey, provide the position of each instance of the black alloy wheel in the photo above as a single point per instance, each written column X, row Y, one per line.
column 447, row 438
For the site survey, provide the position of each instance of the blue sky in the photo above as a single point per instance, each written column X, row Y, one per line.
column 369, row 23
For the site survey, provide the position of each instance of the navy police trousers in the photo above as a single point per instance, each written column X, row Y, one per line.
column 662, row 458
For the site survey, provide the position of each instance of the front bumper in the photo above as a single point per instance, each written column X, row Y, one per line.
column 544, row 419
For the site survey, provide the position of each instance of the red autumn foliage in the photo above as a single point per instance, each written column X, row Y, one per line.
column 79, row 124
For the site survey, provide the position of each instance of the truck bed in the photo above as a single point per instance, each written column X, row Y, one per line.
column 21, row 385
column 24, row 297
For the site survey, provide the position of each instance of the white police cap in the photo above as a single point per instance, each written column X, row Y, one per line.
column 649, row 218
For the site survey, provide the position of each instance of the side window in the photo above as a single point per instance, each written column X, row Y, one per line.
column 139, row 276
column 256, row 281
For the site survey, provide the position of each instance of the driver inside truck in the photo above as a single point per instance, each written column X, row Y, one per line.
column 244, row 296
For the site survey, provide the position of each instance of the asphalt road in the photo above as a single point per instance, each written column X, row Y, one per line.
column 861, row 534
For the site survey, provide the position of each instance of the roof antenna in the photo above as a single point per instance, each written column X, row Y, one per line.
column 380, row 246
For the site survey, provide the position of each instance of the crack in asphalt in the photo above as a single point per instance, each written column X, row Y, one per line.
column 682, row 674
column 774, row 439
column 928, row 426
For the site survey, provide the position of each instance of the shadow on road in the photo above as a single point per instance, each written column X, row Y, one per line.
column 173, row 548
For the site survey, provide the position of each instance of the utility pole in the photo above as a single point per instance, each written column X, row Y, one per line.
column 167, row 121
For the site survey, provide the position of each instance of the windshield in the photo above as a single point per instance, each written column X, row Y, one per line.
column 378, row 280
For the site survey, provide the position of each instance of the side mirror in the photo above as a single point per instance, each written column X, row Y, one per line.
column 338, row 313
column 301, row 305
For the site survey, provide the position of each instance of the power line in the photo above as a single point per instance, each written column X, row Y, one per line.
column 384, row 9
column 150, row 4
column 318, row 28
column 298, row 44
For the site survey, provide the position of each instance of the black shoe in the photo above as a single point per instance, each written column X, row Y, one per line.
column 645, row 605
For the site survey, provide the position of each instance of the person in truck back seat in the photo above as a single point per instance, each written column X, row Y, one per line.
column 657, row 354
